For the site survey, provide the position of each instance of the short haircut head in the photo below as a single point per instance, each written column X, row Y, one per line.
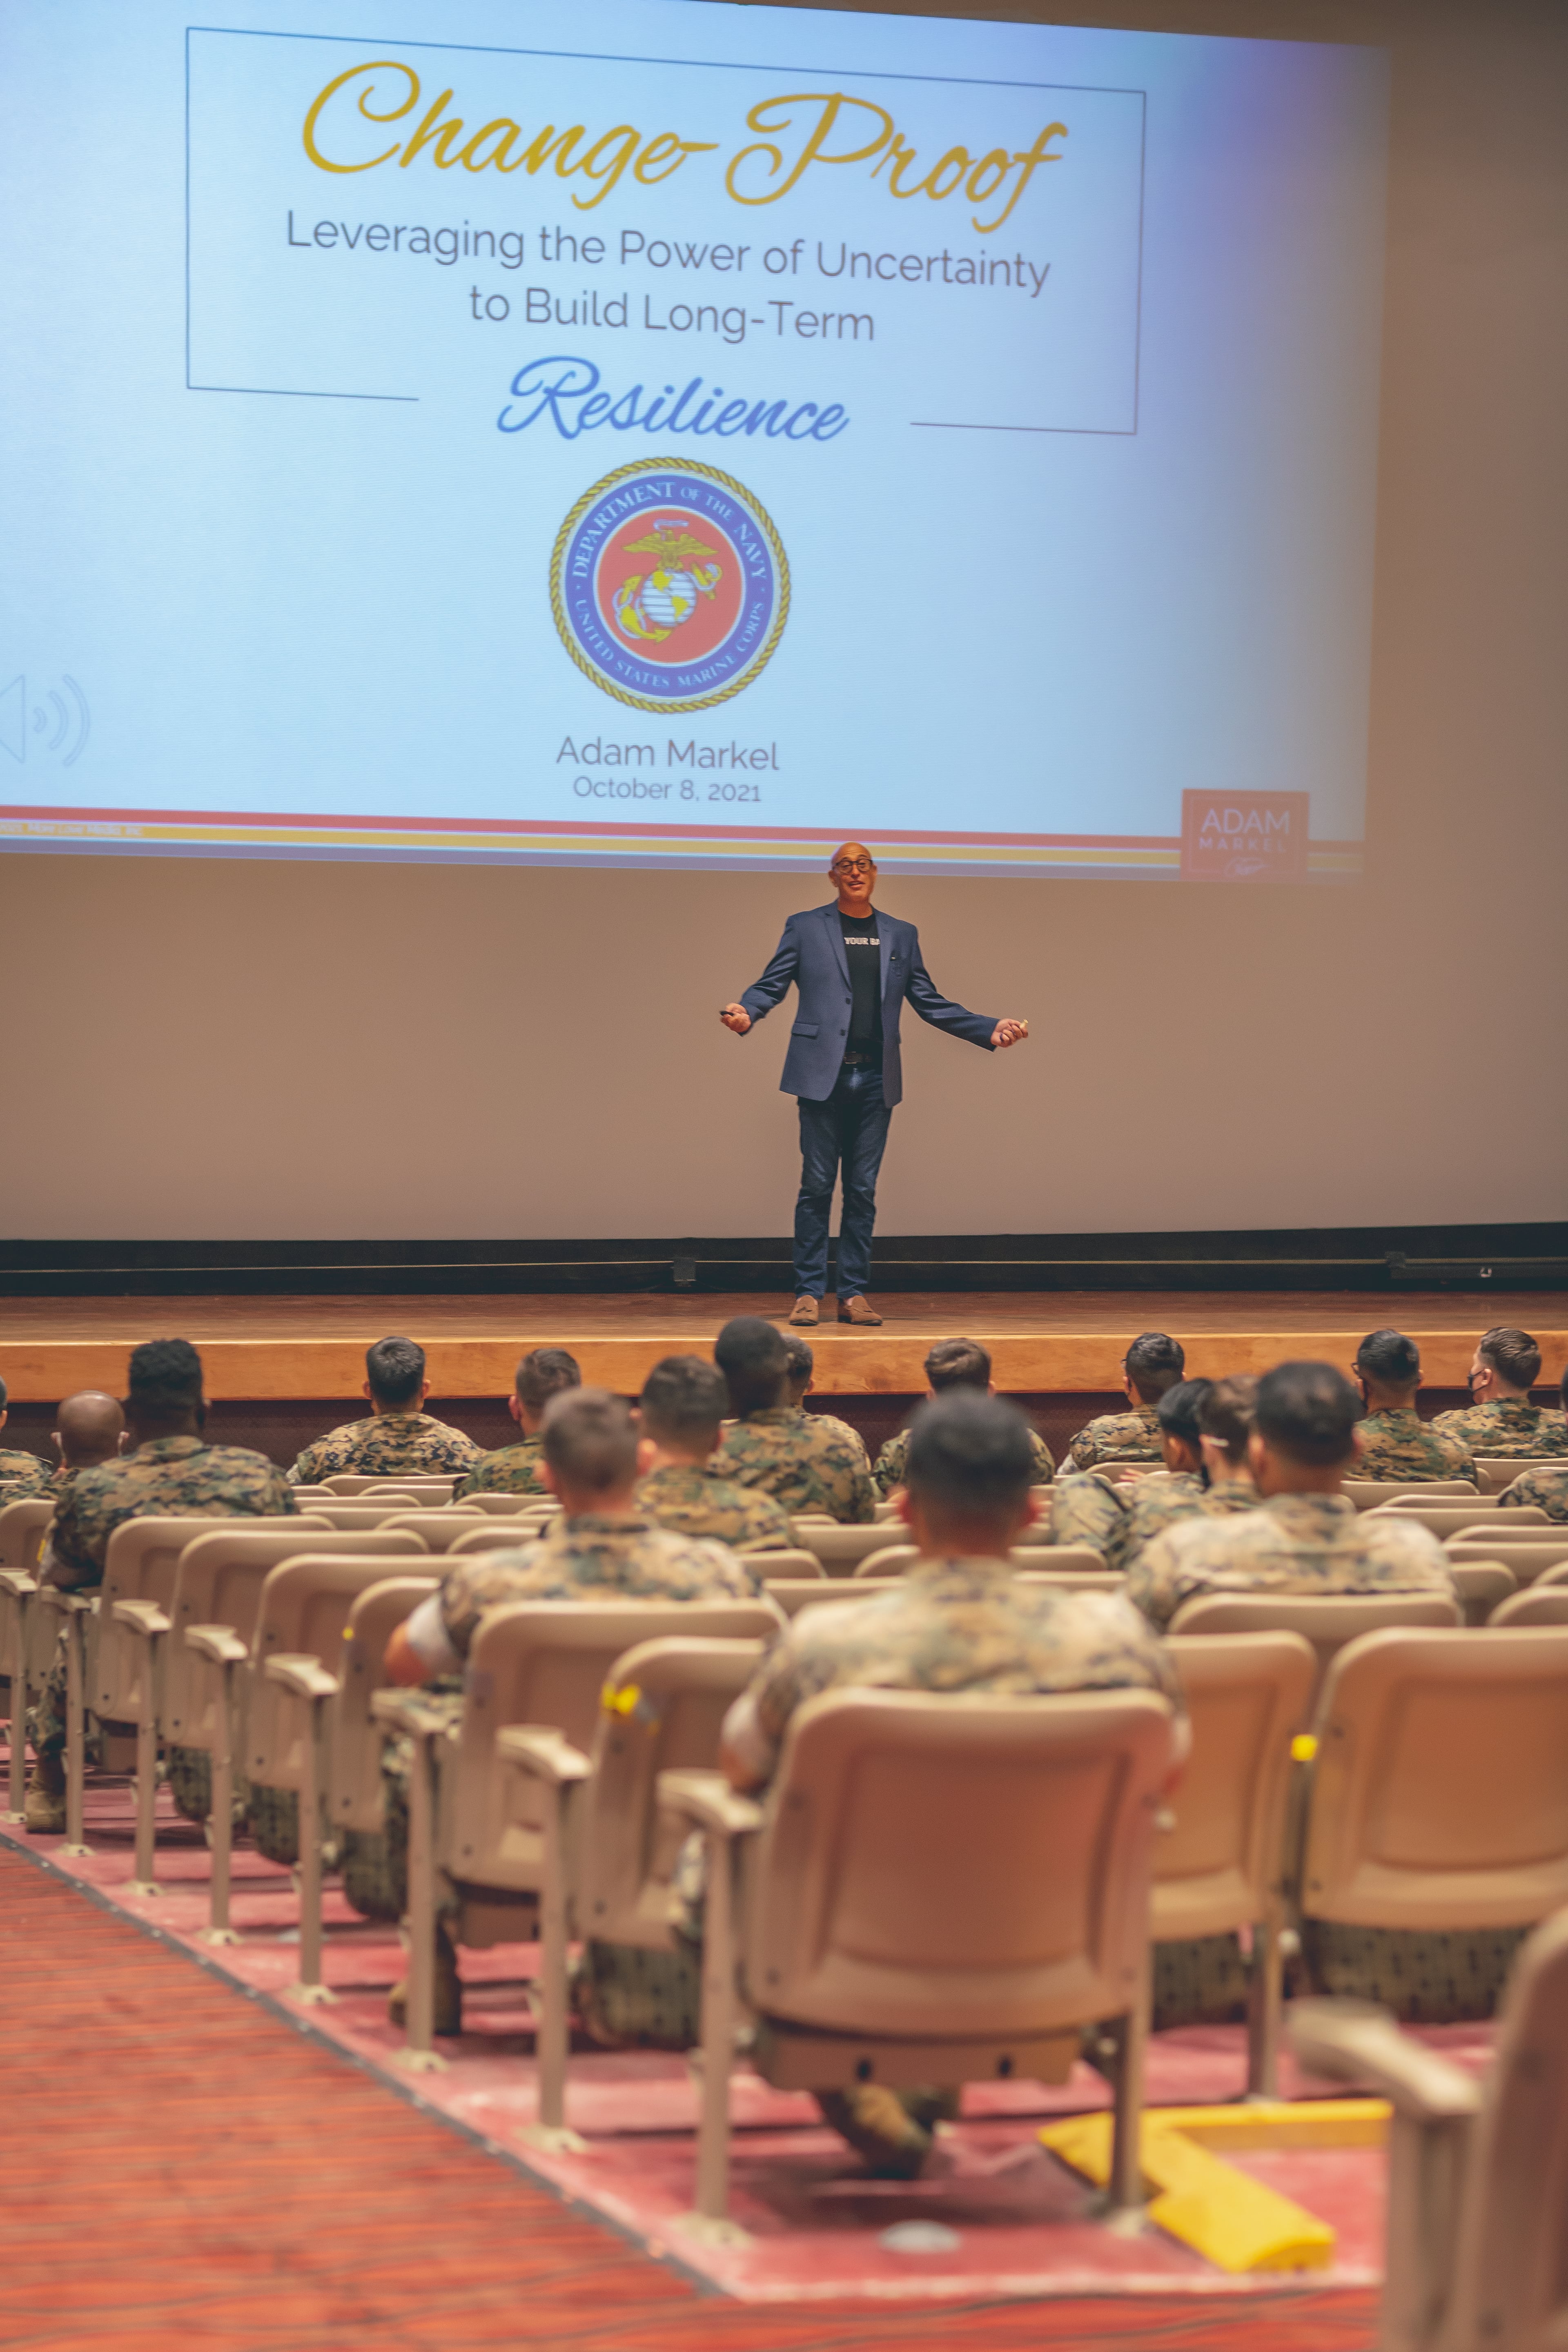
column 88, row 1424
column 753, row 1359
column 1179, row 1410
column 165, row 1379
column 958, row 1364
column 1226, row 1414
column 591, row 1440
column 1387, row 1357
column 1154, row 1363
column 800, row 1361
column 546, row 1372
column 1512, row 1355
column 970, row 1457
column 1308, row 1413
column 683, row 1400
column 395, row 1371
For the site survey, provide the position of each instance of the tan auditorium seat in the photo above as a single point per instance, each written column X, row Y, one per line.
column 1478, row 2190
column 1532, row 1553
column 336, row 1513
column 1327, row 1621
column 1445, row 1520
column 485, row 1532
column 1042, row 1560
column 1496, row 1473
column 794, row 1593
column 440, row 1529
column 840, row 1550
column 18, row 1589
column 1370, row 1494
column 1482, row 1586
column 1541, row 1605
column 663, row 1707
column 424, row 1485
column 355, row 1790
column 1220, row 1866
column 502, row 1507
column 23, row 1527
column 936, row 1890
column 543, row 1663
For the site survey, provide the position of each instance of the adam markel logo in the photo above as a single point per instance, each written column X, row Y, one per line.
column 1245, row 836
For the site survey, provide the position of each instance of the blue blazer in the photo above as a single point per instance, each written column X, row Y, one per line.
column 812, row 954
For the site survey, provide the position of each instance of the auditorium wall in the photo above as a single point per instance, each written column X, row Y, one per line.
column 205, row 1049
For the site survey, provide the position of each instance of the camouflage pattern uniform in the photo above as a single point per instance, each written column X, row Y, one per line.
column 1547, row 1488
column 509, row 1470
column 1291, row 1543
column 180, row 1476
column 844, row 1431
column 1504, row 1426
column 1399, row 1444
column 894, row 1456
column 22, row 1475
column 381, row 1445
column 592, row 1556
column 696, row 1500
column 1118, row 1437
column 781, row 1450
column 1167, row 1500
column 1082, row 1509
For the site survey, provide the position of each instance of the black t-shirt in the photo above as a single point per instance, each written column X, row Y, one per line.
column 862, row 945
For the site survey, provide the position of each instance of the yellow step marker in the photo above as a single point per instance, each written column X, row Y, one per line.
column 1232, row 2221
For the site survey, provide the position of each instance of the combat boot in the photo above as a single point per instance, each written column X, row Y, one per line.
column 448, row 2003
column 44, row 1810
column 880, row 2129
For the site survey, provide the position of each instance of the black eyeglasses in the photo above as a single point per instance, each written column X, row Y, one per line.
column 853, row 865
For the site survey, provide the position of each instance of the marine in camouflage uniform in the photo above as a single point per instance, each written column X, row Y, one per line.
column 1081, row 1508
column 1167, row 1500
column 889, row 1471
column 178, row 1475
column 509, row 1470
column 1291, row 1543
column 1547, row 1488
column 1118, row 1437
column 845, row 1433
column 1505, row 1426
column 781, row 1450
column 1397, row 1443
column 383, row 1443
column 696, row 1500
column 22, row 1475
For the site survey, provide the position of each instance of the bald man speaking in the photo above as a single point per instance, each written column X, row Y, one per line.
column 853, row 968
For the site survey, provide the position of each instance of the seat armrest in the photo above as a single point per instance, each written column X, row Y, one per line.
column 547, row 1754
column 69, row 1605
column 707, row 1801
column 141, row 1617
column 406, row 1710
column 306, row 1677
column 1353, row 2041
column 17, row 1582
column 217, row 1642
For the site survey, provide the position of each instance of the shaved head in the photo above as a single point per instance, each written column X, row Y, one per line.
column 88, row 1429
column 851, row 849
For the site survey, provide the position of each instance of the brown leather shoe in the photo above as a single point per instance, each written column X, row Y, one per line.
column 807, row 1311
column 879, row 2128
column 43, row 1806
column 860, row 1311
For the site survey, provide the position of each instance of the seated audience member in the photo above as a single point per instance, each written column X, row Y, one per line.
column 679, row 1414
column 604, row 1547
column 1306, row 1536
column 1545, row 1485
column 778, row 1446
column 1154, row 1363
column 799, row 1382
column 397, row 1435
column 1499, row 1419
column 91, row 1432
column 959, row 1622
column 167, row 1468
column 1396, row 1442
column 21, row 1475
column 545, row 1372
column 955, row 1364
column 1204, row 1478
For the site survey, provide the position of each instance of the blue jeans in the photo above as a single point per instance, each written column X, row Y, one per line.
column 848, row 1130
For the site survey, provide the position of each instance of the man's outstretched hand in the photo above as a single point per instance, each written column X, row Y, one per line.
column 1007, row 1032
column 736, row 1017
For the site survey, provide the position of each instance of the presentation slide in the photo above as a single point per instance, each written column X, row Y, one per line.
column 674, row 434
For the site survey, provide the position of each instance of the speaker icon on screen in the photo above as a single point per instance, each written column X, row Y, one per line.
column 56, row 718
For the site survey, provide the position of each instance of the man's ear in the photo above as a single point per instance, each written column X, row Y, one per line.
column 514, row 1406
column 1257, row 1454
column 424, row 1392
column 364, row 1389
column 900, row 1502
column 647, row 1449
column 1358, row 1447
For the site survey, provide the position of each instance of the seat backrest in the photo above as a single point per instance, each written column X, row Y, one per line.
column 1327, row 1621
column 354, row 1786
column 1525, row 1558
column 139, row 1563
column 840, row 1550
column 1370, row 1494
column 1439, row 1793
column 1099, row 1578
column 790, row 1567
column 957, row 1864
column 1248, row 1695
column 662, row 1708
column 1453, row 1518
column 303, row 1610
column 545, row 1663
column 23, row 1527
column 794, row 1593
column 218, row 1581
column 439, row 1528
column 890, row 1559
column 483, row 1533
column 1494, row 1472
column 1510, row 2280
column 353, row 1514
column 1543, row 1604
column 352, row 1482
column 500, row 1505
column 1482, row 1586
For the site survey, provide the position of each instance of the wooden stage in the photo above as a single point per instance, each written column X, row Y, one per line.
column 1042, row 1342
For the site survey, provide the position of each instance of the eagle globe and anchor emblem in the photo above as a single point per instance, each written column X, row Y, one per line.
column 669, row 585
